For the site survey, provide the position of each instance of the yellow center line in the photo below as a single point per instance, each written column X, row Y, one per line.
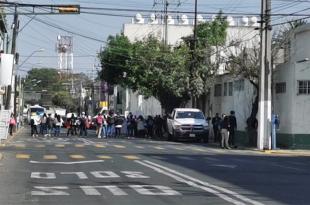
column 50, row 157
column 99, row 146
column 22, row 156
column 2, row 145
column 79, row 145
column 76, row 156
column 60, row 145
column 103, row 157
column 131, row 157
column 119, row 146
column 1, row 156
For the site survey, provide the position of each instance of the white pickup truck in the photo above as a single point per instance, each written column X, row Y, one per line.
column 187, row 124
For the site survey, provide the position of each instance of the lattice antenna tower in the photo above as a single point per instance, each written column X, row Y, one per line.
column 64, row 48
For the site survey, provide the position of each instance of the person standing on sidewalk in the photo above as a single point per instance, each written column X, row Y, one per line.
column 12, row 123
column 232, row 128
column 216, row 127
column 224, row 132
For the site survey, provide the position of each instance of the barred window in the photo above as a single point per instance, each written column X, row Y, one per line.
column 218, row 90
column 230, row 89
column 280, row 87
column 239, row 85
column 303, row 87
column 225, row 89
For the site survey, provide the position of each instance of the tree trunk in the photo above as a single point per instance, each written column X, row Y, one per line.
column 252, row 122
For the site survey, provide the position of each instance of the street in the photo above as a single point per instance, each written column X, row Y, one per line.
column 142, row 171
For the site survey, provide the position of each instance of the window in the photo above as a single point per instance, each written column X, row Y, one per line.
column 217, row 90
column 280, row 87
column 239, row 85
column 304, row 87
column 225, row 89
column 230, row 88
column 189, row 114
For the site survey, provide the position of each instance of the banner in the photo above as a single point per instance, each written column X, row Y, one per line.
column 6, row 67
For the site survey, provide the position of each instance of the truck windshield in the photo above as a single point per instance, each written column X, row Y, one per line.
column 188, row 114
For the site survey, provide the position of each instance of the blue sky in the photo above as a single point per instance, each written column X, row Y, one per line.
column 37, row 35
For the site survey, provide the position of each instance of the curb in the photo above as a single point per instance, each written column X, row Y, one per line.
column 286, row 152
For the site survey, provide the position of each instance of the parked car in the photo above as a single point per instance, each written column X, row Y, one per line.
column 187, row 124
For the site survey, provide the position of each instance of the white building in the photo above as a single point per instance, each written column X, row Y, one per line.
column 292, row 92
column 239, row 30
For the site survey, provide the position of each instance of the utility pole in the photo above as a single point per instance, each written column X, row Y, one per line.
column 13, row 51
column 264, row 122
column 193, row 49
column 166, row 4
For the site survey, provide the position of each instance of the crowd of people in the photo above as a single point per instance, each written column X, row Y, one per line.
column 107, row 125
column 115, row 125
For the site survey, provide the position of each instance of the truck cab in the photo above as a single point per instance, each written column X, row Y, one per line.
column 187, row 124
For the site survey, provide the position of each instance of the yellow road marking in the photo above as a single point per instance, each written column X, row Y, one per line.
column 103, row 157
column 99, row 146
column 50, row 157
column 76, row 156
column 160, row 148
column 131, row 157
column 22, row 156
column 1, row 156
column 79, row 145
column 60, row 145
column 20, row 146
column 119, row 146
column 2, row 145
column 40, row 146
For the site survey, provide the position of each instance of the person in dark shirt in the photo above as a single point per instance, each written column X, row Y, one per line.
column 232, row 128
column 224, row 131
column 216, row 127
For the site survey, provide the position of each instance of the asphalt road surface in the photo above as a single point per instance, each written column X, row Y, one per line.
column 79, row 171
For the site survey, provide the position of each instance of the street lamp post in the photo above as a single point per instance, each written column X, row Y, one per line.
column 15, row 80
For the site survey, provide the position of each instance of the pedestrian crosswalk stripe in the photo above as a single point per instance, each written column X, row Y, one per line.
column 50, row 157
column 20, row 146
column 198, row 149
column 103, row 157
column 22, row 156
column 60, row 145
column 99, row 146
column 131, row 157
column 79, row 145
column 140, row 147
column 178, row 148
column 159, row 148
column 76, row 156
column 40, row 146
column 119, row 146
